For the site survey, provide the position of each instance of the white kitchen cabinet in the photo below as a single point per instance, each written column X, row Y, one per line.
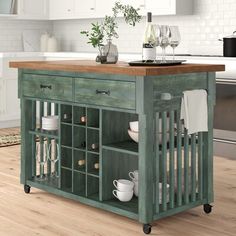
column 169, row 7
column 33, row 9
column 9, row 103
column 61, row 9
column 85, row 9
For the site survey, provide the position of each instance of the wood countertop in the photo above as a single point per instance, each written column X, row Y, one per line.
column 89, row 66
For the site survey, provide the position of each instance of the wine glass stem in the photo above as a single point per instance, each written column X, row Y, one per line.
column 173, row 53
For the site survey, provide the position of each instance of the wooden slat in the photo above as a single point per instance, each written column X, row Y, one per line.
column 200, row 165
column 41, row 142
column 49, row 140
column 157, row 164
column 172, row 160
column 33, row 138
column 193, row 167
column 164, row 160
column 179, row 159
column 58, row 109
column 186, row 167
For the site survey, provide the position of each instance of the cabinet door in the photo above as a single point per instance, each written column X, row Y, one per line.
column 33, row 9
column 85, row 9
column 61, row 9
column 106, row 7
column 160, row 7
column 9, row 102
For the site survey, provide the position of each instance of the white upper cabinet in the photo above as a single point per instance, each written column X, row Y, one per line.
column 61, row 9
column 169, row 7
column 33, row 9
column 85, row 8
column 79, row 9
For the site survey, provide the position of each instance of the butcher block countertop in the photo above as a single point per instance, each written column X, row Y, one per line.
column 89, row 66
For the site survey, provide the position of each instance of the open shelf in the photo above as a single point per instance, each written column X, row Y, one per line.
column 128, row 147
column 131, row 206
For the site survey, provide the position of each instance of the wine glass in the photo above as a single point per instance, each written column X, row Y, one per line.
column 164, row 40
column 53, row 157
column 174, row 38
column 41, row 158
column 158, row 37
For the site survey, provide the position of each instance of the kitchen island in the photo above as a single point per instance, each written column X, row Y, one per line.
column 94, row 104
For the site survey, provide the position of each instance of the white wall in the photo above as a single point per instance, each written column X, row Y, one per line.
column 11, row 33
column 212, row 19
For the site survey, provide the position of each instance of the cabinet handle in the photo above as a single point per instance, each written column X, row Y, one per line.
column 92, row 8
column 103, row 92
column 142, row 5
column 42, row 86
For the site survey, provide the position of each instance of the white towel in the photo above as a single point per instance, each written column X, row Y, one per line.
column 194, row 111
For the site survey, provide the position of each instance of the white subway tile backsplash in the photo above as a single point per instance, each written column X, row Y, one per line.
column 11, row 33
column 211, row 20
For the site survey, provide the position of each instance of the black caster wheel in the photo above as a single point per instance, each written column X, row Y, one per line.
column 147, row 228
column 207, row 208
column 27, row 188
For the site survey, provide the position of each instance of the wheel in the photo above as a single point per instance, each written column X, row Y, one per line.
column 27, row 188
column 207, row 208
column 147, row 228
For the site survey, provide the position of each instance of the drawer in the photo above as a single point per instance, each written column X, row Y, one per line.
column 47, row 87
column 119, row 94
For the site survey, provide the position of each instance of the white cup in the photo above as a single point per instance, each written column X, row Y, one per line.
column 123, row 185
column 123, row 196
column 135, row 187
column 134, row 175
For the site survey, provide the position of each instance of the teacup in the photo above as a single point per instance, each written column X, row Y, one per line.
column 123, row 185
column 134, row 175
column 123, row 196
column 135, row 187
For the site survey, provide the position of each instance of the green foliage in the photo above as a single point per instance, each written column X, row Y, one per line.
column 108, row 28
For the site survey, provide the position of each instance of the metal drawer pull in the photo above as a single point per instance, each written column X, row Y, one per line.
column 103, row 92
column 45, row 86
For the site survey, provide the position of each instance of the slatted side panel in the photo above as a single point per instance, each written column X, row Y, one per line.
column 178, row 163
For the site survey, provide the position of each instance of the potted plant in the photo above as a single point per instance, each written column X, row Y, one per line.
column 107, row 30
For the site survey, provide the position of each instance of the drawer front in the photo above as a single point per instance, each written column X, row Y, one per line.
column 119, row 94
column 47, row 87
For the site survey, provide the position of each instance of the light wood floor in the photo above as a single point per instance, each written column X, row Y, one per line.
column 44, row 214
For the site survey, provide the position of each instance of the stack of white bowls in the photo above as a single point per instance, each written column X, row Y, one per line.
column 50, row 123
column 124, row 189
column 134, row 177
column 133, row 131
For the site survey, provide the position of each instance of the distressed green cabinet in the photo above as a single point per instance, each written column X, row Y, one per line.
column 165, row 155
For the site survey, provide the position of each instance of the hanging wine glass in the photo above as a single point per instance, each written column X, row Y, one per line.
column 164, row 40
column 41, row 159
column 53, row 157
column 174, row 38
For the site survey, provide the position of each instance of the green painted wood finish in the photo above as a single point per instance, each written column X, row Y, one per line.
column 105, row 93
column 107, row 123
column 40, row 86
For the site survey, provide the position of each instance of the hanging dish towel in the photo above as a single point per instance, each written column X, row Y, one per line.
column 194, row 111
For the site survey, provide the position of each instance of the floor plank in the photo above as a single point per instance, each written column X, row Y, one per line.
column 43, row 214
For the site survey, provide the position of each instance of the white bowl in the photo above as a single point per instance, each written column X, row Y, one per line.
column 133, row 135
column 134, row 126
column 50, row 122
